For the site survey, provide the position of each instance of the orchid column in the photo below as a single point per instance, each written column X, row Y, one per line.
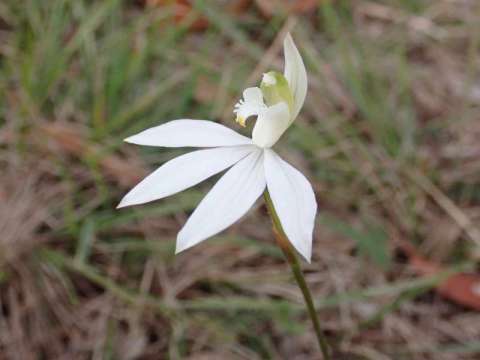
column 254, row 169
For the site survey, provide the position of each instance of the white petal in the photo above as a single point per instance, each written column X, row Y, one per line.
column 183, row 172
column 192, row 133
column 294, row 201
column 231, row 197
column 295, row 74
column 271, row 124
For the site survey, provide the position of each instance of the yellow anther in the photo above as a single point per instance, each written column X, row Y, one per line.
column 241, row 120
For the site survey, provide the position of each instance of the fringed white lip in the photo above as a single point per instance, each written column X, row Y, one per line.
column 251, row 105
column 252, row 166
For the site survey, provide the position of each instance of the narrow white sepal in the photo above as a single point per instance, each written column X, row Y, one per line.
column 295, row 73
column 189, row 133
column 183, row 172
column 231, row 197
column 294, row 201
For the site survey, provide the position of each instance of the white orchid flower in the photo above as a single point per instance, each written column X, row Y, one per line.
column 254, row 166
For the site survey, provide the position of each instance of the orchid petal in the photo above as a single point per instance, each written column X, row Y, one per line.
column 189, row 133
column 183, row 172
column 295, row 74
column 294, row 201
column 271, row 124
column 231, row 197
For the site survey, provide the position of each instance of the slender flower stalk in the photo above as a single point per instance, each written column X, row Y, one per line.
column 292, row 260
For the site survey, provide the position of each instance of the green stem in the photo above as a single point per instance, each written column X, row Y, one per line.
column 292, row 260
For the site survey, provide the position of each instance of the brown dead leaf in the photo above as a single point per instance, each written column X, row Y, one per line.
column 462, row 289
column 183, row 12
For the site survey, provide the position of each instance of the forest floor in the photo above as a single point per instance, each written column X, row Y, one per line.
column 389, row 137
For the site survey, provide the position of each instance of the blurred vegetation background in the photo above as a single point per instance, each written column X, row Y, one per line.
column 389, row 136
